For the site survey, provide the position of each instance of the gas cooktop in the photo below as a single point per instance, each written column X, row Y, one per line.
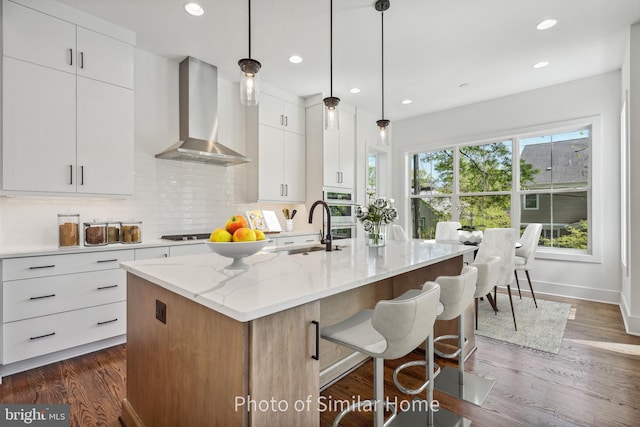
column 189, row 236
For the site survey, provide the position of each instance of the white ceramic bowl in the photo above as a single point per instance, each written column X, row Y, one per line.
column 237, row 251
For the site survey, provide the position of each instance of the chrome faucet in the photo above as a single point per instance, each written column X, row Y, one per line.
column 326, row 240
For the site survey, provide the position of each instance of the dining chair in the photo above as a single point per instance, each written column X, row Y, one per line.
column 526, row 253
column 447, row 231
column 500, row 242
column 487, row 275
column 398, row 234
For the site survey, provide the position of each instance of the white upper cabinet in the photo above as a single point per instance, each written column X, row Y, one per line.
column 339, row 153
column 276, row 144
column 39, row 131
column 38, row 38
column 67, row 106
column 279, row 113
column 104, row 58
column 104, row 138
column 41, row 39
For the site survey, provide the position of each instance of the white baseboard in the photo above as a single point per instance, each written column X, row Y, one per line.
column 631, row 323
column 342, row 367
column 570, row 291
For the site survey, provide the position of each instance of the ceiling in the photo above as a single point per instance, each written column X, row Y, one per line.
column 432, row 47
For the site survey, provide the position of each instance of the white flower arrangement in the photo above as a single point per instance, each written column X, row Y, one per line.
column 379, row 211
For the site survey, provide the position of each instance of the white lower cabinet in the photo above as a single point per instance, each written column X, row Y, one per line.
column 72, row 302
column 149, row 253
column 298, row 240
column 41, row 335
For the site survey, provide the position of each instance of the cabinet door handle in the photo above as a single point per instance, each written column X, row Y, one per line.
column 70, row 56
column 286, row 189
column 81, row 59
column 316, row 356
column 108, row 321
column 286, row 120
column 42, row 336
column 41, row 266
column 106, row 260
column 101, row 288
column 70, row 174
column 81, row 175
column 281, row 120
column 43, row 296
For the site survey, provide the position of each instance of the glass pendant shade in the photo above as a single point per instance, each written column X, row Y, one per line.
column 332, row 114
column 249, row 81
column 383, row 134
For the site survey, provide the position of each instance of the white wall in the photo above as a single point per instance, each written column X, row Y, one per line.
column 630, row 295
column 170, row 197
column 595, row 96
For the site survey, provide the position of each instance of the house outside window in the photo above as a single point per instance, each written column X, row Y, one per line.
column 543, row 178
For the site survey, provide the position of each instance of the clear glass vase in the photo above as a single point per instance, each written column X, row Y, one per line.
column 377, row 236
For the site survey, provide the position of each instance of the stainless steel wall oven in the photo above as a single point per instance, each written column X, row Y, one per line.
column 342, row 206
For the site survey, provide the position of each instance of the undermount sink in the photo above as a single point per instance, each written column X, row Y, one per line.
column 304, row 249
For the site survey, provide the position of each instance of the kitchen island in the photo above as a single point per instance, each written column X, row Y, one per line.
column 209, row 346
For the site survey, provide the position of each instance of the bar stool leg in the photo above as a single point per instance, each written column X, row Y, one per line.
column 430, row 376
column 461, row 347
column 378, row 387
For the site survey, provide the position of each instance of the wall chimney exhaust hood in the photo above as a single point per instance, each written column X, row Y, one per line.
column 199, row 118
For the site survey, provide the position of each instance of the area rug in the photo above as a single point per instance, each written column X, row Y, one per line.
column 539, row 328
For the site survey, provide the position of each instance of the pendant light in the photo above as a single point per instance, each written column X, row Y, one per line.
column 331, row 116
column 383, row 124
column 249, row 83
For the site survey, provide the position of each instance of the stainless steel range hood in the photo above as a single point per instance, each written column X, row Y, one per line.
column 199, row 118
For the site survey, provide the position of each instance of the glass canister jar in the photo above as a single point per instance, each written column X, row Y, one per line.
column 95, row 233
column 131, row 232
column 113, row 232
column 68, row 230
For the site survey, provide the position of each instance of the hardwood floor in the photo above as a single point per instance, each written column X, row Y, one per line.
column 594, row 381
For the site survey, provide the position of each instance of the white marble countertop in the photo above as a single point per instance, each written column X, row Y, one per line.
column 277, row 281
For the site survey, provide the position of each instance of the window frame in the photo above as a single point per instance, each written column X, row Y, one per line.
column 594, row 187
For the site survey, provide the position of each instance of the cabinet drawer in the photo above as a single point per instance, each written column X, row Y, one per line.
column 149, row 253
column 50, row 265
column 23, row 299
column 47, row 334
column 298, row 240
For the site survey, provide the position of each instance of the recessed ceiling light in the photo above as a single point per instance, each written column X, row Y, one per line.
column 406, row 101
column 540, row 64
column 546, row 24
column 194, row 9
column 354, row 90
column 295, row 59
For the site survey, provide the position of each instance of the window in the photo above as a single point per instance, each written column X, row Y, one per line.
column 543, row 178
column 431, row 180
column 555, row 169
column 372, row 171
column 530, row 202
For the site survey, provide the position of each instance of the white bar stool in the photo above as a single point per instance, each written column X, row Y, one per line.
column 456, row 296
column 391, row 330
column 456, row 293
